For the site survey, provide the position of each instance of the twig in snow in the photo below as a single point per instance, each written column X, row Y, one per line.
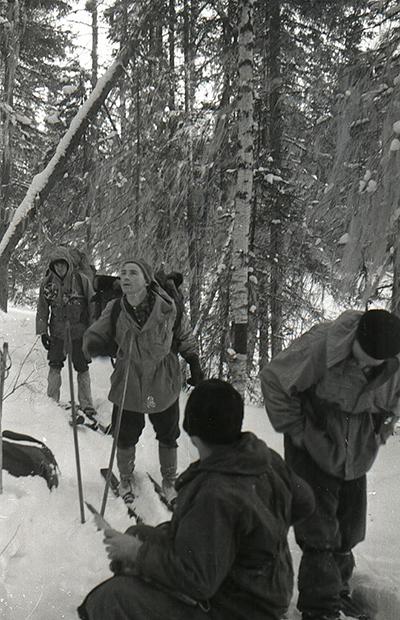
column 16, row 386
column 10, row 541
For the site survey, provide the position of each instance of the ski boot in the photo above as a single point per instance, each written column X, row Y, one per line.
column 126, row 465
column 168, row 465
column 126, row 490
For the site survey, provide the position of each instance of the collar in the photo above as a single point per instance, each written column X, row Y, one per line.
column 340, row 338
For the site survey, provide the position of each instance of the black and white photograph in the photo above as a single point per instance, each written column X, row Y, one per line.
column 199, row 309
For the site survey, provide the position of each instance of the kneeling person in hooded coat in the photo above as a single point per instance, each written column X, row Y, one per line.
column 224, row 554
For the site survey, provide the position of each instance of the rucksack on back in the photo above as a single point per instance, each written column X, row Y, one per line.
column 106, row 288
column 27, row 459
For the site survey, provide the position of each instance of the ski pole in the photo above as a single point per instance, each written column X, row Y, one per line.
column 116, row 430
column 74, row 425
column 3, row 358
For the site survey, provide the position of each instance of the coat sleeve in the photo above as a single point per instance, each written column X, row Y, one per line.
column 185, row 340
column 88, row 293
column 291, row 372
column 195, row 564
column 101, row 331
column 42, row 313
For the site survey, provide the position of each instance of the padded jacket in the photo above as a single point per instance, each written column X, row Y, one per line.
column 316, row 389
column 226, row 545
column 62, row 299
column 154, row 380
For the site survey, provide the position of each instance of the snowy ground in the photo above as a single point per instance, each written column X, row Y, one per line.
column 49, row 560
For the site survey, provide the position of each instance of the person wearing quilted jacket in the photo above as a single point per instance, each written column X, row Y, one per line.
column 65, row 299
column 334, row 393
column 224, row 555
column 147, row 370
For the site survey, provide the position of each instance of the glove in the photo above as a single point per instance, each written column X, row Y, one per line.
column 94, row 346
column 196, row 373
column 45, row 341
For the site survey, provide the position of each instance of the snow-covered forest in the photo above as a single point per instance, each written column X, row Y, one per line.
column 252, row 146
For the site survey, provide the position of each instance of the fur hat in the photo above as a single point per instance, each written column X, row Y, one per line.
column 214, row 412
column 378, row 334
column 145, row 268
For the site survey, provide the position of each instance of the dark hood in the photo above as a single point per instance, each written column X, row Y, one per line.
column 250, row 456
column 60, row 253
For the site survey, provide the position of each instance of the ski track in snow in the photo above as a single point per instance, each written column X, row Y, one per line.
column 49, row 560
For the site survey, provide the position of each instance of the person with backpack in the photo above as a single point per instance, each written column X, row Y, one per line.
column 65, row 299
column 143, row 325
column 334, row 393
column 225, row 553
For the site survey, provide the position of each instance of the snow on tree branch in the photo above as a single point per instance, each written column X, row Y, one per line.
column 43, row 181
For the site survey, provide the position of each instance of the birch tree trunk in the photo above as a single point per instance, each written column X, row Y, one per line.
column 10, row 54
column 92, row 193
column 276, row 152
column 243, row 199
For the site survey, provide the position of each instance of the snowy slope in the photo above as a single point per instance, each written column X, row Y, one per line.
column 49, row 560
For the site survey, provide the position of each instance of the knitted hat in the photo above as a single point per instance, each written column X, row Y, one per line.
column 214, row 412
column 378, row 334
column 145, row 268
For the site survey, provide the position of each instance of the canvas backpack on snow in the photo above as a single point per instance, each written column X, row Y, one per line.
column 31, row 458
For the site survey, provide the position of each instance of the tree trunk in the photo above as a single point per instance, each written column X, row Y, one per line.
column 395, row 301
column 122, row 86
column 171, row 52
column 138, row 110
column 275, row 133
column 95, row 43
column 192, row 215
column 92, row 194
column 10, row 53
column 243, row 199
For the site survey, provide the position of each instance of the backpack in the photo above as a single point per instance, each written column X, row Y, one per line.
column 108, row 288
column 29, row 460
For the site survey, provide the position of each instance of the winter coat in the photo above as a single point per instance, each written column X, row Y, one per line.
column 154, row 381
column 226, row 545
column 316, row 390
column 62, row 299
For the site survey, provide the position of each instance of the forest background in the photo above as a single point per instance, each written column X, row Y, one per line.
column 252, row 145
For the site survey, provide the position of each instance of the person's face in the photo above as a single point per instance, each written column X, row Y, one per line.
column 61, row 268
column 132, row 279
column 364, row 360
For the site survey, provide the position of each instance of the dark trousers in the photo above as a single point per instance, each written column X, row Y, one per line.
column 57, row 356
column 130, row 598
column 329, row 535
column 165, row 424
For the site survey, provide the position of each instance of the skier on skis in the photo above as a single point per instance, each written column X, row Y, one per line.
column 65, row 296
column 334, row 393
column 224, row 554
column 148, row 342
